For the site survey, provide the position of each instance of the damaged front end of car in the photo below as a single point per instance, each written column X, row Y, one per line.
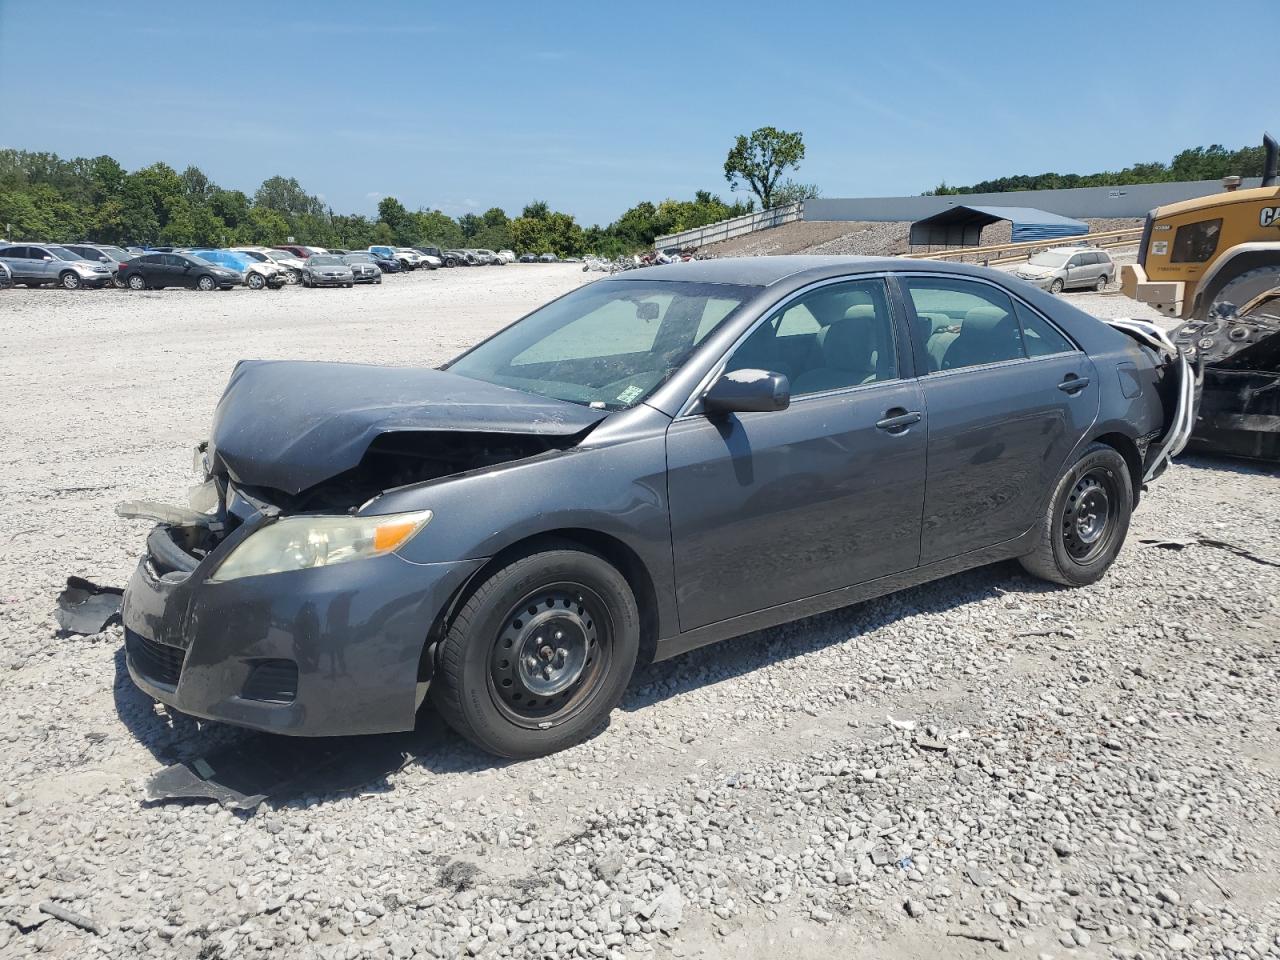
column 281, row 600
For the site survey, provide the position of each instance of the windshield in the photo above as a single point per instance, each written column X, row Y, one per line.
column 62, row 253
column 358, row 258
column 115, row 253
column 1048, row 260
column 198, row 260
column 254, row 255
column 324, row 260
column 281, row 255
column 607, row 344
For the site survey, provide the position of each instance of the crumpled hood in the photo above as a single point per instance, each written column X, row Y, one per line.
column 289, row 424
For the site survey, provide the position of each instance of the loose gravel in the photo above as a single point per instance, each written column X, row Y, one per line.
column 982, row 765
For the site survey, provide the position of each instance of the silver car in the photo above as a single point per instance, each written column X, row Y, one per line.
column 1065, row 268
column 327, row 270
column 37, row 264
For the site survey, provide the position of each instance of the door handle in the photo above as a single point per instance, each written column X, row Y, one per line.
column 1073, row 384
column 897, row 420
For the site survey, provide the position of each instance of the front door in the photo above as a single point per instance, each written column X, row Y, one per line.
column 1009, row 396
column 772, row 507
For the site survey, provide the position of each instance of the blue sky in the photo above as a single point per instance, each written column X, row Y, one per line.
column 593, row 107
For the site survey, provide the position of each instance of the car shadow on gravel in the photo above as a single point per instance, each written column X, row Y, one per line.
column 741, row 655
column 207, row 761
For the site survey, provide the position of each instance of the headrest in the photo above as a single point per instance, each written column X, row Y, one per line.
column 849, row 345
column 987, row 319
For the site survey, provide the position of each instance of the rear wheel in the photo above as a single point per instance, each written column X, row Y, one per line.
column 539, row 654
column 136, row 282
column 205, row 283
column 1086, row 521
column 1101, row 284
column 69, row 279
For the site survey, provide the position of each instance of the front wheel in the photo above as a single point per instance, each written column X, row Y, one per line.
column 539, row 654
column 1087, row 519
column 205, row 283
column 70, row 280
column 256, row 281
column 1056, row 286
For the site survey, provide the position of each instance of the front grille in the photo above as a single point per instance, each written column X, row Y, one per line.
column 272, row 681
column 158, row 662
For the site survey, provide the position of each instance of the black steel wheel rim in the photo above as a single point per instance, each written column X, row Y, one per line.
column 1089, row 515
column 551, row 655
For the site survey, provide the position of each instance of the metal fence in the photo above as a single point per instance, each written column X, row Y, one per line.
column 725, row 229
column 1013, row 252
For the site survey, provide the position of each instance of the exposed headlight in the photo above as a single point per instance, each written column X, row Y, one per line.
column 297, row 543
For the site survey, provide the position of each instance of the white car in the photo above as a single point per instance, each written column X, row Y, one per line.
column 412, row 258
column 281, row 257
column 508, row 256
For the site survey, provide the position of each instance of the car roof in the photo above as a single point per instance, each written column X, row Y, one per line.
column 766, row 271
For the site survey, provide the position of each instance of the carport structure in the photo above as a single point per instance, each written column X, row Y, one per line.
column 961, row 226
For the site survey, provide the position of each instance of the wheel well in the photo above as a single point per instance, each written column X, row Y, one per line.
column 611, row 548
column 1128, row 449
column 1240, row 263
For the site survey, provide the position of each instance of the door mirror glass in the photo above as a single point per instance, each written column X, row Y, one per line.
column 47, row 258
column 748, row 391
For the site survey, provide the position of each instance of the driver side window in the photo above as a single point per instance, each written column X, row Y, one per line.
column 837, row 336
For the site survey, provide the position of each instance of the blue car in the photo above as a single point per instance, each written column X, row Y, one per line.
column 257, row 275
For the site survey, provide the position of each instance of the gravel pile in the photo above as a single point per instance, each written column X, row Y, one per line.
column 976, row 765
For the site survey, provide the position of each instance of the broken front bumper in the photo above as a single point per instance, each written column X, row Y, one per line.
column 327, row 651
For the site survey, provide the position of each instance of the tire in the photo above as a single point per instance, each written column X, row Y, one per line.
column 379, row 280
column 1056, row 286
column 136, row 282
column 349, row 285
column 69, row 279
column 117, row 283
column 500, row 684
column 1080, row 534
column 306, row 279
column 1101, row 284
column 206, row 283
column 255, row 281
column 1241, row 289
column 295, row 276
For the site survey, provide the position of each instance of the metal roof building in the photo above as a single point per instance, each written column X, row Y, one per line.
column 961, row 225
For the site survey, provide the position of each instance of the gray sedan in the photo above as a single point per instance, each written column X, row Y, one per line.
column 653, row 462
column 327, row 270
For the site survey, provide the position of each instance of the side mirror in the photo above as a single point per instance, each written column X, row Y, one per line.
column 748, row 391
column 47, row 259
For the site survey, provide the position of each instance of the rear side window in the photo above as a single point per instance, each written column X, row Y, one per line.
column 15, row 253
column 1195, row 242
column 1039, row 336
column 963, row 323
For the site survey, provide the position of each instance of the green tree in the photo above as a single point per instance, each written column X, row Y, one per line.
column 790, row 192
column 394, row 214
column 759, row 160
column 537, row 210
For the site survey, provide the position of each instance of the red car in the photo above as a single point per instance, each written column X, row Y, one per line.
column 298, row 250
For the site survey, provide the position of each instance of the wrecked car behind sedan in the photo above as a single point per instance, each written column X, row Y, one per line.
column 653, row 462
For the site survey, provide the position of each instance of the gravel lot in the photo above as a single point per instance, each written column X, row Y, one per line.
column 979, row 765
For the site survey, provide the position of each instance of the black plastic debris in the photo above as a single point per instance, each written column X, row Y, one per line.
column 86, row 607
column 244, row 774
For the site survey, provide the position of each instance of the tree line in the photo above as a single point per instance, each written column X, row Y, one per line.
column 1195, row 163
column 45, row 197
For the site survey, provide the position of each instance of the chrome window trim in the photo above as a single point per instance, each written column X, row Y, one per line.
column 695, row 397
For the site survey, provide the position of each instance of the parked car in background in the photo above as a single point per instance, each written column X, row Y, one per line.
column 417, row 260
column 109, row 256
column 327, row 270
column 291, row 265
column 300, row 251
column 393, row 253
column 364, row 269
column 155, row 271
column 548, row 258
column 1069, row 268
column 385, row 263
column 459, row 258
column 37, row 264
column 490, row 258
column 528, row 258
column 258, row 274
column 508, row 256
column 434, row 255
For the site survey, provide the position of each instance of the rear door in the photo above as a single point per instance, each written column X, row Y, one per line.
column 19, row 263
column 772, row 507
column 1008, row 396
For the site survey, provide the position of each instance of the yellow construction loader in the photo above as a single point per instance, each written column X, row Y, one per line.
column 1214, row 262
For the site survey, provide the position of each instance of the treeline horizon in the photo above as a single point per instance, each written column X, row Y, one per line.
column 44, row 197
column 1195, row 163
